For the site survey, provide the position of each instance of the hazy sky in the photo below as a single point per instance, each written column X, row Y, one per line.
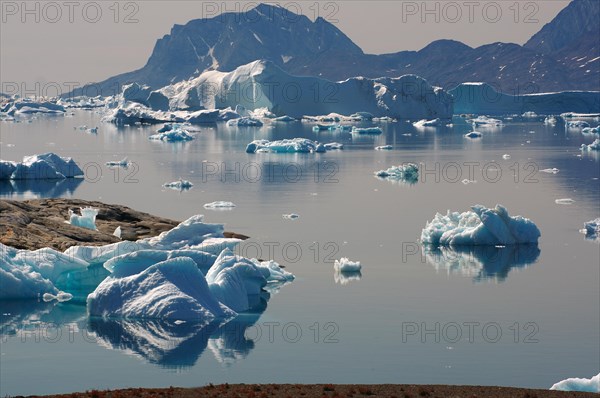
column 86, row 41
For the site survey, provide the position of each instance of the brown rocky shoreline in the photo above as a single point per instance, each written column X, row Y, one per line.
column 329, row 390
column 35, row 224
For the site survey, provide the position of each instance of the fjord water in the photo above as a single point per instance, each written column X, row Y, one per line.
column 526, row 317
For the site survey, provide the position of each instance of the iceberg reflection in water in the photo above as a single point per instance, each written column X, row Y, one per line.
column 32, row 189
column 481, row 262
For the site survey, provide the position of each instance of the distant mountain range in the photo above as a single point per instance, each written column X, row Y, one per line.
column 563, row 55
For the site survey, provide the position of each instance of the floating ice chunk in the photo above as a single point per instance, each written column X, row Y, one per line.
column 431, row 123
column 296, row 145
column 578, row 124
column 467, row 181
column 219, row 205
column 60, row 297
column 577, row 384
column 551, row 171
column 45, row 166
column 284, row 119
column 119, row 163
column 408, row 172
column 344, row 265
column 481, row 226
column 175, row 134
column 325, row 127
column 384, row 148
column 506, row 156
column 530, row 115
column 553, row 120
column 292, row 216
column 565, row 201
column 173, row 289
column 484, row 121
column 360, row 116
column 87, row 219
column 594, row 146
column 592, row 229
column 333, row 146
column 245, row 122
column 179, row 185
column 474, row 135
column 367, row 130
column 117, row 232
column 591, row 130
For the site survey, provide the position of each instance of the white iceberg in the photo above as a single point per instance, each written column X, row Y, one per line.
column 296, row 145
column 577, row 384
column 119, row 163
column 25, row 106
column 481, row 226
column 529, row 115
column 484, row 121
column 344, row 265
column 175, row 134
column 333, row 146
column 591, row 130
column 245, row 122
column 553, row 170
column 219, row 205
column 384, row 148
column 431, row 123
column 506, row 156
column 173, row 289
column 45, row 166
column 408, row 172
column 367, row 130
column 564, row 201
column 87, row 219
column 594, row 146
column 578, row 124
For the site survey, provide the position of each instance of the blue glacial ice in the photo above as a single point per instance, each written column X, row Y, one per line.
column 87, row 219
column 577, row 384
column 592, row 229
column 481, row 226
column 175, row 134
column 48, row 166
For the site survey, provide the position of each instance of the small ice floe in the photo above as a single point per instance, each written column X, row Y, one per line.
column 245, row 122
column 431, row 123
column 219, row 205
column 550, row 171
column 467, row 181
column 484, row 121
column 333, row 146
column 594, row 146
column 553, row 120
column 579, row 385
column 179, row 185
column 579, row 124
column 530, row 115
column 60, row 297
column 92, row 130
column 119, row 163
column 367, row 130
column 506, row 156
column 473, row 135
column 408, row 172
column 592, row 229
column 565, row 201
column 117, row 232
column 87, row 219
column 344, row 265
column 384, row 148
column 292, row 216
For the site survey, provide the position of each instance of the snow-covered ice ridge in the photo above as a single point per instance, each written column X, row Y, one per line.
column 481, row 226
column 482, row 98
column 262, row 84
column 48, row 166
column 188, row 272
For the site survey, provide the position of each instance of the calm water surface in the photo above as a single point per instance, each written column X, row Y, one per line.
column 513, row 317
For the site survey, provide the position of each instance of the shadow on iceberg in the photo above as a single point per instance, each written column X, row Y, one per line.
column 40, row 188
column 482, row 263
column 179, row 344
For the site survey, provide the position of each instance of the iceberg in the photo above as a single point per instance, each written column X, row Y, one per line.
column 578, row 124
column 292, row 216
column 179, row 185
column 48, row 166
column 119, row 163
column 474, row 135
column 483, row 98
column 565, row 201
column 553, row 120
column 432, row 123
column 553, row 170
column 334, row 146
column 175, row 134
column 592, row 229
column 408, row 173
column 344, row 265
column 219, row 205
column 367, row 130
column 172, row 289
column 530, row 115
column 245, row 122
column 384, row 148
column 25, row 106
column 87, row 219
column 484, row 121
column 577, row 384
column 296, row 145
column 479, row 227
column 506, row 156
column 591, row 130
column 594, row 146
